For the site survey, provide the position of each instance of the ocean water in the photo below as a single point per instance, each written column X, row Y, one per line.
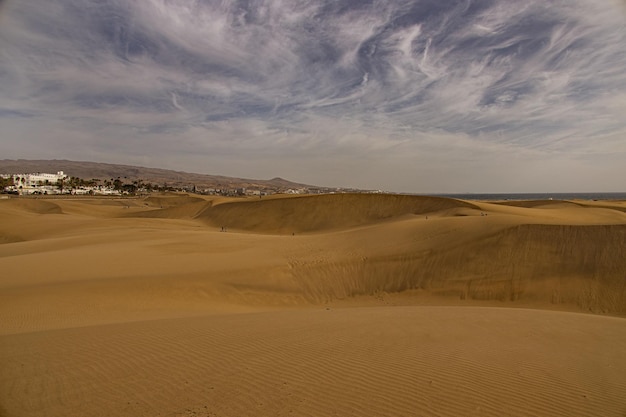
column 538, row 196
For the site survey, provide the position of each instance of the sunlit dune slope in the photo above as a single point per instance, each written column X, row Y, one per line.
column 320, row 213
column 32, row 206
column 613, row 205
column 69, row 262
column 381, row 362
column 369, row 305
column 537, row 203
column 27, row 219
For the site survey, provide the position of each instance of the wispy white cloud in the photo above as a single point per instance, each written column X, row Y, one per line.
column 384, row 92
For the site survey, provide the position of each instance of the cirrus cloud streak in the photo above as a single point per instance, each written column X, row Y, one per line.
column 402, row 95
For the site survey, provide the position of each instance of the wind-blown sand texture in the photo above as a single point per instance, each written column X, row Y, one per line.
column 364, row 305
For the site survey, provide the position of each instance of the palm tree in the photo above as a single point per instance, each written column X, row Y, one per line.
column 6, row 182
column 60, row 184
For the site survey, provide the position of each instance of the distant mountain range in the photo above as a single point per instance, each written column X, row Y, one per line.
column 128, row 174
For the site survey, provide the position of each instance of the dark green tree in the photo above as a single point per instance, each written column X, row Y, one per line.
column 6, row 182
column 118, row 184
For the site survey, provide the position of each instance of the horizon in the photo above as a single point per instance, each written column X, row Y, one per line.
column 435, row 193
column 413, row 97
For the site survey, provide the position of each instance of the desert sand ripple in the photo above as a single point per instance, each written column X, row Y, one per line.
column 402, row 361
column 178, row 305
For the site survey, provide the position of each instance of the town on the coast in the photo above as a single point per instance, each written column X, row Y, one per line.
column 39, row 183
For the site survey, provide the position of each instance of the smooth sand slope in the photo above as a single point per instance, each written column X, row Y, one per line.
column 369, row 305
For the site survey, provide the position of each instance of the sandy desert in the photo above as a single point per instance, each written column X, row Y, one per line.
column 329, row 305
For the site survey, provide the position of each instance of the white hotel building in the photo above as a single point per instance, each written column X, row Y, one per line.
column 37, row 182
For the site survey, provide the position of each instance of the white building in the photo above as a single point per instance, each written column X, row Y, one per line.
column 31, row 183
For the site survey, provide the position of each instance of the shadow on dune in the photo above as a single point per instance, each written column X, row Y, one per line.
column 581, row 265
column 169, row 201
column 170, row 207
column 321, row 213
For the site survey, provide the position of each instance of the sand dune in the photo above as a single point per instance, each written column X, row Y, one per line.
column 382, row 361
column 539, row 203
column 317, row 305
column 321, row 213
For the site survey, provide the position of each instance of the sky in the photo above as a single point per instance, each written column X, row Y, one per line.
column 422, row 96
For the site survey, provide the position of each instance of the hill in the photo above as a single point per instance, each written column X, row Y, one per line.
column 128, row 173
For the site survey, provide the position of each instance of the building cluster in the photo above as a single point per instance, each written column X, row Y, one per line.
column 59, row 183
column 36, row 183
column 263, row 191
column 49, row 184
column 242, row 191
